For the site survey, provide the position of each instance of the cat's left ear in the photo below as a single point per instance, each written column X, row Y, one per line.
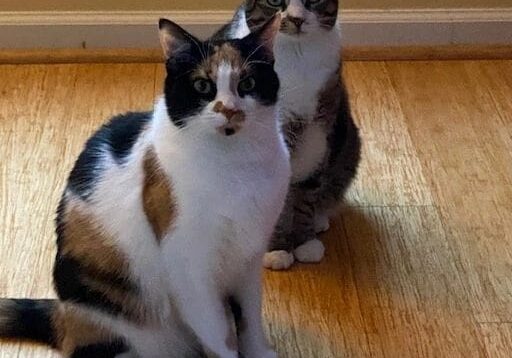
column 267, row 33
column 173, row 37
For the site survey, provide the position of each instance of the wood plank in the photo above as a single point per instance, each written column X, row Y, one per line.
column 30, row 183
column 390, row 171
column 410, row 280
column 47, row 113
column 494, row 79
column 350, row 53
column 454, row 127
column 497, row 338
column 313, row 310
column 411, row 296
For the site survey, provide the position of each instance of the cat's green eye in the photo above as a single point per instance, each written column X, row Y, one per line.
column 275, row 3
column 247, row 85
column 202, row 86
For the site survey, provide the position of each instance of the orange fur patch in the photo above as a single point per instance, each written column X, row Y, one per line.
column 75, row 330
column 85, row 241
column 158, row 199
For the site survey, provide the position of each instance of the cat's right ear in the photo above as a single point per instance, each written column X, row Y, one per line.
column 173, row 37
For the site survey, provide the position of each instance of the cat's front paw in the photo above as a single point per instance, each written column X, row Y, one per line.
column 311, row 251
column 278, row 260
column 321, row 223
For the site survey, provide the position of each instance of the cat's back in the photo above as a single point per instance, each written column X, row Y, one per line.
column 109, row 146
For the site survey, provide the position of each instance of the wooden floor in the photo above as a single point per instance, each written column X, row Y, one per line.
column 419, row 264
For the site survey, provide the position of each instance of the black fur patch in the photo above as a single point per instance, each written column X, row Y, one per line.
column 262, row 69
column 70, row 280
column 236, row 310
column 182, row 99
column 117, row 137
column 28, row 319
column 103, row 350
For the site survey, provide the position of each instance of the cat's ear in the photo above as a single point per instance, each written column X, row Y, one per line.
column 173, row 37
column 266, row 34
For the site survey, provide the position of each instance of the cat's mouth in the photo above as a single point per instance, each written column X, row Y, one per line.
column 234, row 119
column 228, row 130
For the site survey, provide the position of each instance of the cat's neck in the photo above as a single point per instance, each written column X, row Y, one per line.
column 322, row 48
column 171, row 142
column 304, row 67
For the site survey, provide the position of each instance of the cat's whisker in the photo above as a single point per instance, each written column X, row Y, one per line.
column 252, row 54
column 259, row 62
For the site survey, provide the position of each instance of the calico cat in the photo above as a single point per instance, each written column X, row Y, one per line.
column 166, row 216
column 320, row 131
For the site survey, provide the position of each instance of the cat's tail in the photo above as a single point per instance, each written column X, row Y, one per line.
column 25, row 319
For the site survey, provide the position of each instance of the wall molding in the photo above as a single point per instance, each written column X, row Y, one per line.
column 47, row 18
column 135, row 29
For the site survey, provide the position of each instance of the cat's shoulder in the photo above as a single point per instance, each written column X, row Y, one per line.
column 116, row 139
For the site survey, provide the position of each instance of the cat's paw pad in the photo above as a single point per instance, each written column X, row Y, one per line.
column 311, row 252
column 321, row 223
column 278, row 260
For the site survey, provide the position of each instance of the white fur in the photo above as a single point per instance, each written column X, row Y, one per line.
column 311, row 251
column 309, row 152
column 278, row 260
column 230, row 192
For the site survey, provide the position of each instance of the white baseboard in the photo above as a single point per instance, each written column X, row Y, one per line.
column 122, row 29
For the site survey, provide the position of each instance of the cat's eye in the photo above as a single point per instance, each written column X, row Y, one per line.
column 247, row 85
column 202, row 86
column 314, row 2
column 275, row 3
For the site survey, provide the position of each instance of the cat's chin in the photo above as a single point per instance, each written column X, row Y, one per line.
column 295, row 35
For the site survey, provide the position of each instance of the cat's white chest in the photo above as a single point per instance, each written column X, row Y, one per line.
column 303, row 68
column 309, row 152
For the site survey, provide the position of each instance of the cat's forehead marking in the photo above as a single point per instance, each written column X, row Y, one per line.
column 225, row 78
column 221, row 55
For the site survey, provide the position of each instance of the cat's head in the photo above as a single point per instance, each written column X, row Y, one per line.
column 219, row 86
column 299, row 17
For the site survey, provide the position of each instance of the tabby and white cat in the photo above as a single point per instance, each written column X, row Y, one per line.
column 318, row 124
column 166, row 215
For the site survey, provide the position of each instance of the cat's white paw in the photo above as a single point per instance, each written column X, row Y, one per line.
column 321, row 223
column 278, row 260
column 311, row 251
